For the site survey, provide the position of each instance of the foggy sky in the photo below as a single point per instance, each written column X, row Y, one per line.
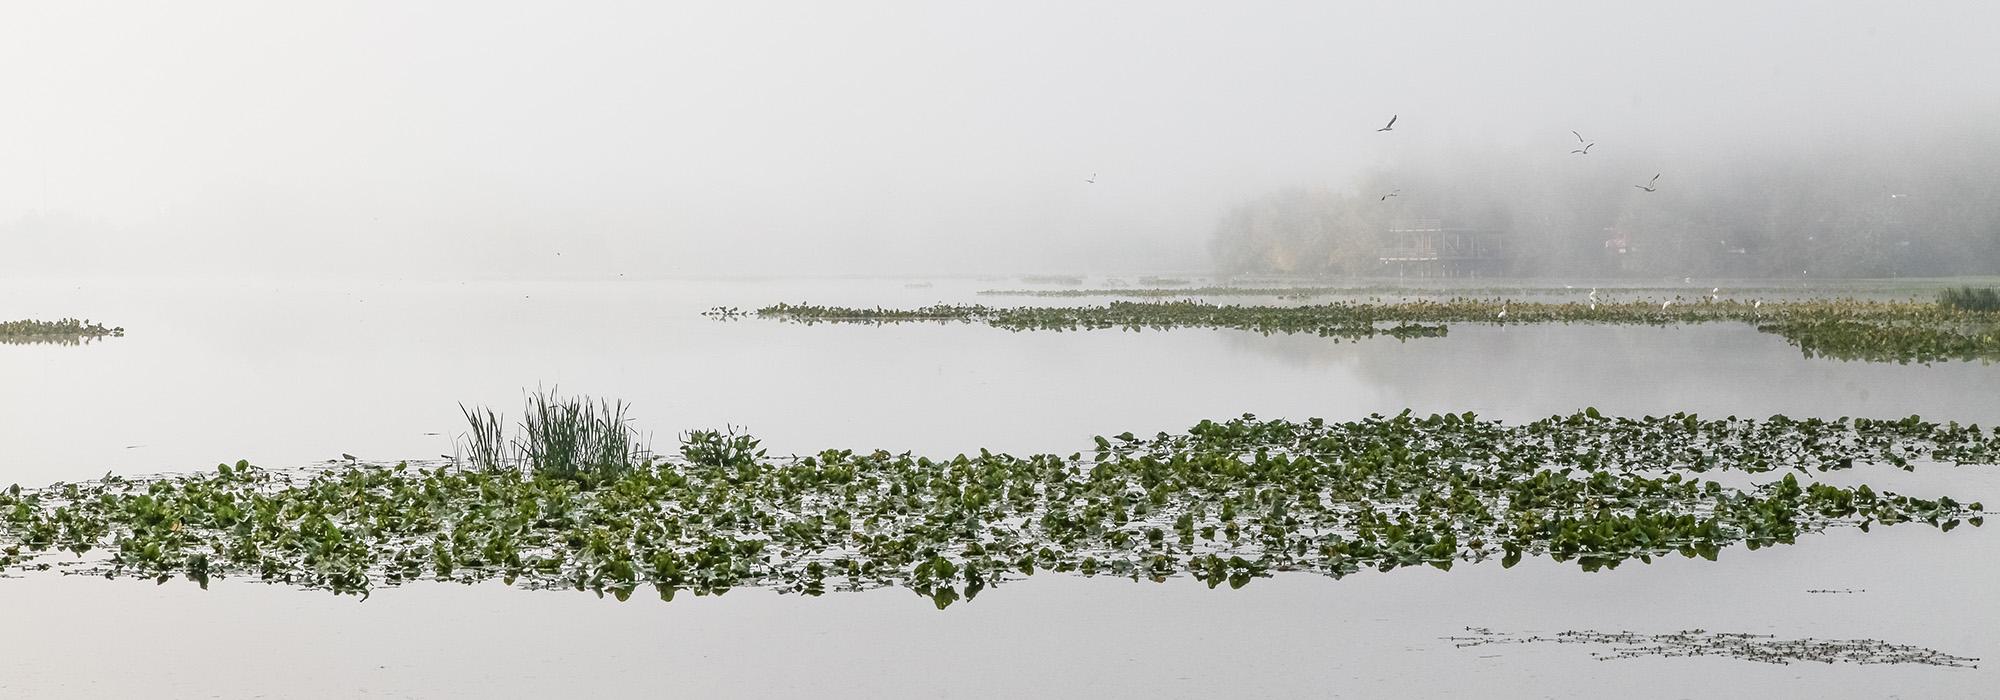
column 453, row 139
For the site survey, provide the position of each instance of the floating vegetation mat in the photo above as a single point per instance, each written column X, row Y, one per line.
column 1178, row 288
column 1749, row 647
column 68, row 331
column 1846, row 329
column 1224, row 502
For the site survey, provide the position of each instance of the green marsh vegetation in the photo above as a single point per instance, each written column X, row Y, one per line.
column 1305, row 288
column 1750, row 647
column 576, row 438
column 1223, row 502
column 1971, row 298
column 1846, row 329
column 68, row 331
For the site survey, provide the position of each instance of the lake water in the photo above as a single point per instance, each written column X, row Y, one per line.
column 285, row 374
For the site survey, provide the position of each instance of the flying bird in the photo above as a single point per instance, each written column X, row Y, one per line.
column 1092, row 179
column 1386, row 197
column 1585, row 150
column 1649, row 183
column 1391, row 126
column 347, row 456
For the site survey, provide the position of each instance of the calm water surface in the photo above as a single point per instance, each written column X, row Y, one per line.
column 284, row 374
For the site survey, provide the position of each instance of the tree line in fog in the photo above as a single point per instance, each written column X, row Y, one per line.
column 1886, row 208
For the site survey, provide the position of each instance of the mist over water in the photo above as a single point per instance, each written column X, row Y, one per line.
column 592, row 140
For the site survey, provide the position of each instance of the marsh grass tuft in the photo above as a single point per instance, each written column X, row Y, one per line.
column 485, row 446
column 574, row 438
column 1970, row 298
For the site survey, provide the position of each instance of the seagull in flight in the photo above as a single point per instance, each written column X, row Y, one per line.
column 1586, row 143
column 1649, row 183
column 1092, row 179
column 1386, row 197
column 1391, row 126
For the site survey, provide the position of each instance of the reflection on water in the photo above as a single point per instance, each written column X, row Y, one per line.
column 285, row 376
column 1529, row 371
column 1050, row 636
column 48, row 340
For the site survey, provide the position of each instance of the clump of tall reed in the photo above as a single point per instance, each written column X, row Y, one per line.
column 1970, row 298
column 575, row 438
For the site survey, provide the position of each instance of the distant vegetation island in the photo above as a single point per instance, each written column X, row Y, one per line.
column 68, row 331
column 1956, row 327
